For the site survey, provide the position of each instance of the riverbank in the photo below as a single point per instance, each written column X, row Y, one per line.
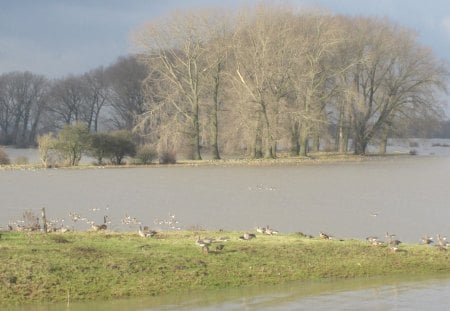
column 77, row 266
column 283, row 160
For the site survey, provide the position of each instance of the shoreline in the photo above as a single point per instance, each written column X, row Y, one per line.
column 313, row 159
column 84, row 266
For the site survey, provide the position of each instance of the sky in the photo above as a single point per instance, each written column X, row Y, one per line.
column 56, row 38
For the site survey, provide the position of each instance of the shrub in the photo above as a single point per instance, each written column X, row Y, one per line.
column 72, row 142
column 121, row 145
column 146, row 154
column 100, row 146
column 46, row 149
column 4, row 159
column 413, row 144
column 167, row 157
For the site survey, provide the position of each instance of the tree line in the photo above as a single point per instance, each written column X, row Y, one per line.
column 251, row 82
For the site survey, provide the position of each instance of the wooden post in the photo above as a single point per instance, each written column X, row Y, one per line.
column 44, row 220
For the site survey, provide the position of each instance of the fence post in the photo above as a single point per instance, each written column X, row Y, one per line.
column 44, row 220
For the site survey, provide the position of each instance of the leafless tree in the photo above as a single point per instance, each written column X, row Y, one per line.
column 23, row 98
column 127, row 98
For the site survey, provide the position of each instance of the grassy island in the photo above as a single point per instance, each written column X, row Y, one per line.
column 103, row 265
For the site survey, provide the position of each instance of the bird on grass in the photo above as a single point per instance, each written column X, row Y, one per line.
column 247, row 236
column 426, row 240
column 103, row 226
column 146, row 232
column 373, row 240
column 324, row 236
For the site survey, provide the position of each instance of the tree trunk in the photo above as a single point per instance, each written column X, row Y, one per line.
column 295, row 139
column 384, row 140
column 267, row 135
column 196, row 134
column 316, row 142
column 304, row 141
column 214, row 117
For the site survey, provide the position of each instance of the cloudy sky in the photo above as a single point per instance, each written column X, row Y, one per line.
column 59, row 37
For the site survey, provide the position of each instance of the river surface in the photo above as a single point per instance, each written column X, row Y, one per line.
column 408, row 196
column 381, row 294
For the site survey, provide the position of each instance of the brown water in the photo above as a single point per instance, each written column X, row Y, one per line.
column 407, row 293
column 409, row 196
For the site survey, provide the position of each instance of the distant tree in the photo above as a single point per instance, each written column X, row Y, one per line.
column 23, row 98
column 72, row 141
column 126, row 96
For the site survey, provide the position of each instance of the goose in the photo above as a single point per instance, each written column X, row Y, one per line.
column 442, row 242
column 146, row 232
column 391, row 241
column 324, row 236
column 269, row 231
column 426, row 239
column 247, row 236
column 261, row 230
column 102, row 226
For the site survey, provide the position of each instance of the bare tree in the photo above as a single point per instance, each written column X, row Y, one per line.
column 175, row 47
column 395, row 78
column 67, row 100
column 262, row 51
column 23, row 97
column 127, row 98
column 97, row 94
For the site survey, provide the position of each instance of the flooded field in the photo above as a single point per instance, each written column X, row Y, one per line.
column 408, row 196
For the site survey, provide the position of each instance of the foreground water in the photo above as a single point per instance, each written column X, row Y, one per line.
column 408, row 293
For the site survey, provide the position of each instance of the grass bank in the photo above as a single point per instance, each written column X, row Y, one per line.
column 281, row 160
column 104, row 265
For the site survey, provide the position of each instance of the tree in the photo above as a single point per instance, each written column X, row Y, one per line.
column 175, row 48
column 395, row 78
column 127, row 100
column 97, row 94
column 262, row 51
column 72, row 141
column 23, row 97
column 67, row 100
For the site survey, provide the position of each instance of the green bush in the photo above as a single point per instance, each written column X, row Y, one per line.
column 72, row 142
column 115, row 146
column 100, row 146
column 121, row 145
column 146, row 154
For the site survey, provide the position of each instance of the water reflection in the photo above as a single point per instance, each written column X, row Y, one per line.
column 405, row 293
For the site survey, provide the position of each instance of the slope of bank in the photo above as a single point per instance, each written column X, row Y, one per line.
column 79, row 266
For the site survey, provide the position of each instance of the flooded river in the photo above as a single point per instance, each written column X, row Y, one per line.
column 408, row 196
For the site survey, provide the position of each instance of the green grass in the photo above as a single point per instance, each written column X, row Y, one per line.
column 104, row 265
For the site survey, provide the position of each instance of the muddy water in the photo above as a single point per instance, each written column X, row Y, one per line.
column 407, row 293
column 406, row 196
